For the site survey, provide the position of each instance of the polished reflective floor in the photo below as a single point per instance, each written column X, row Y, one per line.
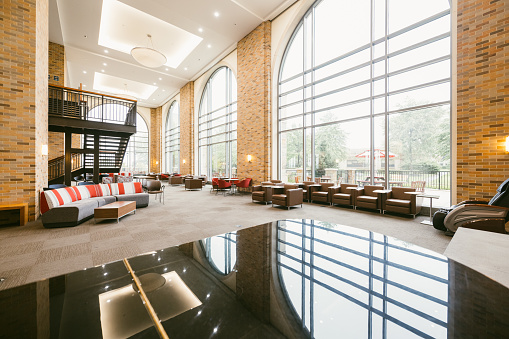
column 289, row 278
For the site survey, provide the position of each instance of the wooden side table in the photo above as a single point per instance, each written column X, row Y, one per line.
column 23, row 211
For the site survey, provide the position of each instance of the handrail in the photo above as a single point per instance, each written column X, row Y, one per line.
column 95, row 93
column 84, row 105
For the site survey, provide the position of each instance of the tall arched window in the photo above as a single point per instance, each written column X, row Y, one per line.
column 217, row 139
column 172, row 139
column 364, row 94
column 136, row 155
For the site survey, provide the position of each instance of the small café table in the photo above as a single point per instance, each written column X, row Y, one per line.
column 430, row 197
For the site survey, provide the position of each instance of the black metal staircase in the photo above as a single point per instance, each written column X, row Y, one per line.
column 105, row 124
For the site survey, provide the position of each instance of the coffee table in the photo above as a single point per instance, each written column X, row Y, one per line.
column 115, row 210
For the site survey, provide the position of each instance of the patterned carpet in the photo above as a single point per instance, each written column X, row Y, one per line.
column 31, row 252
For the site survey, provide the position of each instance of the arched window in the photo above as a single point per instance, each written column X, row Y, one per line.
column 364, row 94
column 172, row 139
column 221, row 252
column 217, row 139
column 136, row 155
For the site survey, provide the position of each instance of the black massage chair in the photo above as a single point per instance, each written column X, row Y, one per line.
column 489, row 216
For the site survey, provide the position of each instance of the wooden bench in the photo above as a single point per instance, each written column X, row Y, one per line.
column 23, row 211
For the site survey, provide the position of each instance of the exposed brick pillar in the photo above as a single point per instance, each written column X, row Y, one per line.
column 155, row 139
column 56, row 67
column 23, row 101
column 254, row 114
column 483, row 101
column 187, row 128
column 253, row 269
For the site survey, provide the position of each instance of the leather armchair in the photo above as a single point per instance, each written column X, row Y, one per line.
column 262, row 194
column 305, row 190
column 175, row 180
column 320, row 192
column 402, row 200
column 292, row 196
column 193, row 184
column 367, row 199
column 342, row 195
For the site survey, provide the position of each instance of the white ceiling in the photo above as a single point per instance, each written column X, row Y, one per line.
column 187, row 32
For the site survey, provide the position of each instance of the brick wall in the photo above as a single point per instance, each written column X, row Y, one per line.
column 253, row 117
column 23, row 101
column 155, row 139
column 187, row 128
column 482, row 97
column 56, row 64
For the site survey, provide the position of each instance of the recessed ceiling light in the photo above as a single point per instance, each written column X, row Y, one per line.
column 154, row 99
column 102, row 70
column 160, row 78
column 106, row 51
column 84, row 72
column 155, row 84
column 105, row 64
column 209, row 46
column 185, row 68
column 166, row 69
column 216, row 14
column 164, row 90
column 84, row 85
column 200, row 29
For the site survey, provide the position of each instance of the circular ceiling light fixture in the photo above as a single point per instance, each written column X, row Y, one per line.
column 147, row 56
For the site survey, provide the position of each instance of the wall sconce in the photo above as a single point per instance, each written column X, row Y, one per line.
column 507, row 143
column 184, row 161
column 44, row 149
column 249, row 157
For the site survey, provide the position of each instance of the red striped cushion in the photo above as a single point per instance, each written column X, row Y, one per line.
column 137, row 187
column 92, row 189
column 103, row 190
column 58, row 197
column 82, row 192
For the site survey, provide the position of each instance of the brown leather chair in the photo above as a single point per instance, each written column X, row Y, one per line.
column 320, row 193
column 399, row 200
column 155, row 187
column 367, row 199
column 193, row 184
column 292, row 196
column 305, row 190
column 341, row 195
column 175, row 180
column 262, row 194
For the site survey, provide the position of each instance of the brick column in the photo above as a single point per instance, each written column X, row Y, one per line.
column 483, row 101
column 187, row 128
column 155, row 139
column 253, row 117
column 23, row 102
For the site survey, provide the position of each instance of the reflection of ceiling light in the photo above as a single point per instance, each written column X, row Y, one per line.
column 185, row 68
column 209, row 46
column 148, row 57
column 160, row 78
column 105, row 51
column 102, row 70
column 200, row 29
column 105, row 64
column 166, row 69
column 84, row 72
column 216, row 14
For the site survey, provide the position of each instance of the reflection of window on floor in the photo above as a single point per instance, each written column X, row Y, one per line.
column 221, row 252
column 360, row 284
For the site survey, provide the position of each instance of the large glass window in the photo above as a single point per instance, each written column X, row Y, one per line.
column 172, row 139
column 217, row 125
column 364, row 94
column 136, row 155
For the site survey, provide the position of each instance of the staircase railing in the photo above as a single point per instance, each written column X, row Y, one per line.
column 56, row 166
column 84, row 105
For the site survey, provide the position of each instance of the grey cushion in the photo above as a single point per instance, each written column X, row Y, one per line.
column 141, row 199
column 70, row 214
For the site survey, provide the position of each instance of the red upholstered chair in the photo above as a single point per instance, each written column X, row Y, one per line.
column 215, row 184
column 244, row 184
column 223, row 186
